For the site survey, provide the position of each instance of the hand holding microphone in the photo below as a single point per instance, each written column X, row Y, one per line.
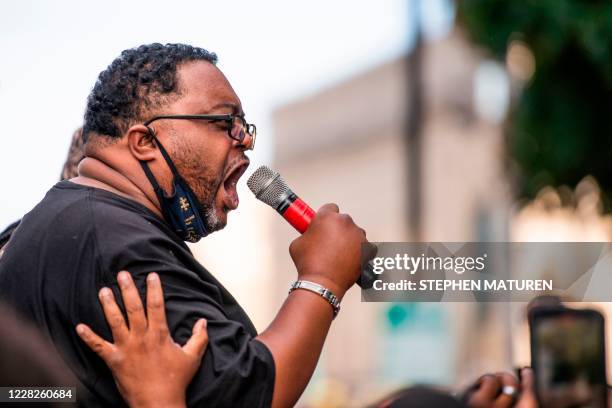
column 328, row 252
column 330, row 247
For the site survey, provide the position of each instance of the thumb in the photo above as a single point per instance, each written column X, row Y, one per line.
column 528, row 398
column 329, row 207
column 196, row 345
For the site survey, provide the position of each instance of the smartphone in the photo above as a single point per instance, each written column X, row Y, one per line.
column 568, row 357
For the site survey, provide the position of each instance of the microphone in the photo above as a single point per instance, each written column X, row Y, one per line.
column 269, row 187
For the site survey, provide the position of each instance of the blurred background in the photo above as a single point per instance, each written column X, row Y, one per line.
column 426, row 120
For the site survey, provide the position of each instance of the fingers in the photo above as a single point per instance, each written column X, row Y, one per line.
column 489, row 386
column 113, row 315
column 196, row 346
column 528, row 397
column 505, row 400
column 527, row 383
column 100, row 346
column 498, row 391
column 333, row 208
column 485, row 392
column 329, row 207
column 155, row 304
column 132, row 302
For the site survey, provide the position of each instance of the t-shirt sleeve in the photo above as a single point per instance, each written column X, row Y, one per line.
column 237, row 370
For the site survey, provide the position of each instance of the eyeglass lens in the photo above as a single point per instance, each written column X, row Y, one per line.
column 243, row 132
column 238, row 130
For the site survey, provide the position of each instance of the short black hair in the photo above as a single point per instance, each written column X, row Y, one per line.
column 140, row 79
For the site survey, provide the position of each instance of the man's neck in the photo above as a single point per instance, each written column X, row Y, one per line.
column 96, row 173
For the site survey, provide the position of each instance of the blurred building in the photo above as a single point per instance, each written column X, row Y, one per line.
column 347, row 144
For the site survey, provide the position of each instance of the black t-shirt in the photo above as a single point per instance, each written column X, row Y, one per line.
column 76, row 240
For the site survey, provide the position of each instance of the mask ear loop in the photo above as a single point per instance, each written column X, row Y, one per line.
column 163, row 151
column 159, row 192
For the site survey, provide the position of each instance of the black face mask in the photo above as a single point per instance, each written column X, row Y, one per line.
column 181, row 209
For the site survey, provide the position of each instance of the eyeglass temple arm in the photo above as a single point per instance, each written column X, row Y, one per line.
column 190, row 117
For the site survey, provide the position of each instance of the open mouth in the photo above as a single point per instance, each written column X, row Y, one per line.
column 229, row 185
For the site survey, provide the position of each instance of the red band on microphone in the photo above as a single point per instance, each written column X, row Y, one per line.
column 299, row 215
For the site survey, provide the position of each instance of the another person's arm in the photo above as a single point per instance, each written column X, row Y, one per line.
column 149, row 368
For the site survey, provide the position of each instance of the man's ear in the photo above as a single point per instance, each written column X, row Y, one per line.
column 141, row 143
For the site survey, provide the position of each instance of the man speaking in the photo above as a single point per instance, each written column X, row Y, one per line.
column 166, row 138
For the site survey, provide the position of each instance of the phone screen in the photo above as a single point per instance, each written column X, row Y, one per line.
column 568, row 358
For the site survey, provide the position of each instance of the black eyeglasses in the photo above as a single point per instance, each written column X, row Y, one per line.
column 238, row 128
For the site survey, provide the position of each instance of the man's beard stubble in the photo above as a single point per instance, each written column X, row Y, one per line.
column 202, row 181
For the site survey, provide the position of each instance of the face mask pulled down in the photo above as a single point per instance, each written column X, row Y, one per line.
column 181, row 209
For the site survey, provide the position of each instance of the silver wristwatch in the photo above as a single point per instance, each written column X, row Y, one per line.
column 319, row 290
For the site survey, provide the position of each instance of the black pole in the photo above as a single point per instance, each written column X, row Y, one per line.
column 413, row 127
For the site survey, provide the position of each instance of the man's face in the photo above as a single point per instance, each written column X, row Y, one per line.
column 205, row 156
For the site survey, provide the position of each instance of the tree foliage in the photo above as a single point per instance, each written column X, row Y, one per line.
column 561, row 128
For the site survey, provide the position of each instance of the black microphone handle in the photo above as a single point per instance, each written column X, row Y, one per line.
column 367, row 276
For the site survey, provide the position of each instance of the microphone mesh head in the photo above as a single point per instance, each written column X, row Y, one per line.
column 268, row 186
